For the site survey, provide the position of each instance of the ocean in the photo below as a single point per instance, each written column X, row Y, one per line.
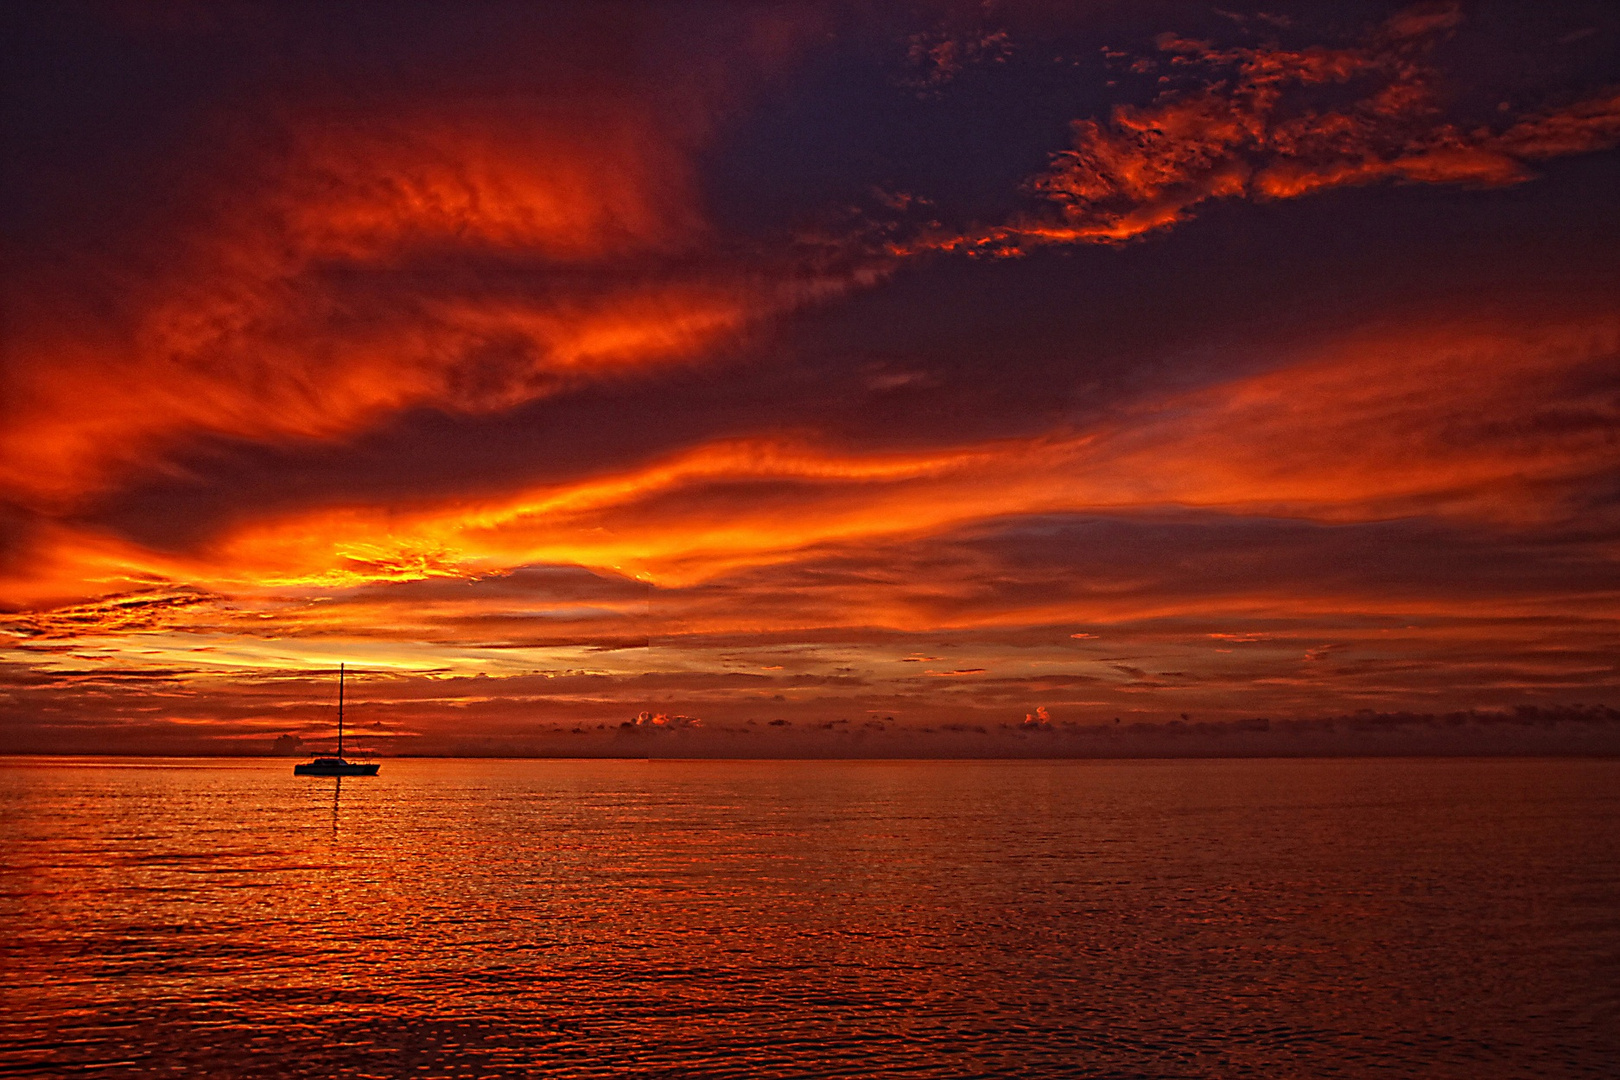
column 457, row 918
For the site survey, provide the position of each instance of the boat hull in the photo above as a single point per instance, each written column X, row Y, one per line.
column 336, row 767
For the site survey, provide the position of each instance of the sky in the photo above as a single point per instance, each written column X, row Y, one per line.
column 804, row 378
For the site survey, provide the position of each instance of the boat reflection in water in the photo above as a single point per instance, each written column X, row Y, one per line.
column 339, row 765
column 337, row 795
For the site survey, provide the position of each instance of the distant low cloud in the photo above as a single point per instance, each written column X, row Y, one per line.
column 657, row 721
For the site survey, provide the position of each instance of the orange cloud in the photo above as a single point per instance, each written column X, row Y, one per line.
column 344, row 262
column 471, row 257
column 1247, row 123
column 1591, row 124
column 1440, row 422
column 569, row 181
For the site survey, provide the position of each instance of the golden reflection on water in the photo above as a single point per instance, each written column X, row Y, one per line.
column 1448, row 918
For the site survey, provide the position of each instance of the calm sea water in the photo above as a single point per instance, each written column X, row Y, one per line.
column 752, row 919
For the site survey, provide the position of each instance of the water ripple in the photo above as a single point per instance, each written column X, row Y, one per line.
column 729, row 919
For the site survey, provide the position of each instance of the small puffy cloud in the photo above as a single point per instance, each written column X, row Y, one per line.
column 1039, row 720
column 651, row 721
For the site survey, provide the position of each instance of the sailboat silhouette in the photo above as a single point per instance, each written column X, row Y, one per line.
column 337, row 766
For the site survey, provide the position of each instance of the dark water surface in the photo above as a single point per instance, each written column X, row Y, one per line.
column 586, row 918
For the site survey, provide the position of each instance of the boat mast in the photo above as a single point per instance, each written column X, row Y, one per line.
column 340, row 710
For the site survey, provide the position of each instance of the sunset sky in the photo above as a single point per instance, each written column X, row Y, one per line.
column 802, row 372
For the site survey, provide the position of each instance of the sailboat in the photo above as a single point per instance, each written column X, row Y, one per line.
column 336, row 766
